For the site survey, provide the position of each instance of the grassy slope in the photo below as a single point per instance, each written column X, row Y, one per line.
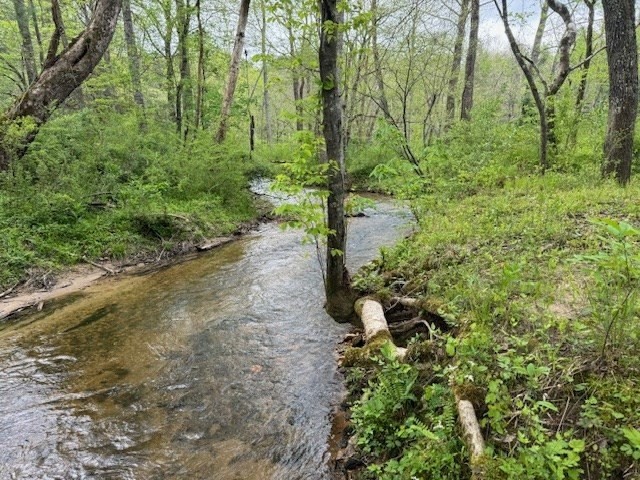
column 528, row 284
column 93, row 185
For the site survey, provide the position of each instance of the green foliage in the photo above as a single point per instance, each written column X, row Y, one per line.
column 615, row 284
column 408, row 435
column 93, row 185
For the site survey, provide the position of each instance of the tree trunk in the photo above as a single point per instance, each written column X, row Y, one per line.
column 132, row 53
column 168, row 56
column 377, row 62
column 36, row 30
column 564, row 68
column 470, row 67
column 60, row 77
column 526, row 70
column 265, row 75
column 28, row 57
column 537, row 42
column 457, row 61
column 622, row 56
column 584, row 76
column 234, row 71
column 337, row 288
column 201, row 72
column 184, row 92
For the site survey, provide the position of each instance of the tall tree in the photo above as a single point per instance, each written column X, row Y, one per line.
column 470, row 66
column 62, row 74
column 201, row 72
column 234, row 70
column 28, row 57
column 266, row 103
column 184, row 88
column 457, row 60
column 622, row 56
column 337, row 286
column 132, row 53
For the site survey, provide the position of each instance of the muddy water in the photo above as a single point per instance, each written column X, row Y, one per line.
column 217, row 368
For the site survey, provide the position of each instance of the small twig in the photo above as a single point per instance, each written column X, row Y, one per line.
column 564, row 415
column 7, row 292
column 101, row 267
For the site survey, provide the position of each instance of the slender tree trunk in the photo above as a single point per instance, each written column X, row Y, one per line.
column 132, row 54
column 622, row 56
column 170, row 83
column 564, row 68
column 297, row 83
column 457, row 61
column 528, row 74
column 265, row 75
column 36, row 30
column 184, row 97
column 337, row 288
column 542, row 24
column 584, row 76
column 377, row 62
column 28, row 57
column 60, row 77
column 201, row 72
column 470, row 67
column 234, row 71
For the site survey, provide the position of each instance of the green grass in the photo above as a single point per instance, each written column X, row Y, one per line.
column 529, row 279
column 93, row 185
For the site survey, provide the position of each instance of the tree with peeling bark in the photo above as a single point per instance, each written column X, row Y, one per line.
column 338, row 291
column 234, row 71
column 62, row 74
column 622, row 56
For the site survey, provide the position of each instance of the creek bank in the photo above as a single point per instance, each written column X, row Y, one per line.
column 42, row 287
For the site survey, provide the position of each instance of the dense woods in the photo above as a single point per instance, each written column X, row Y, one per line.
column 130, row 129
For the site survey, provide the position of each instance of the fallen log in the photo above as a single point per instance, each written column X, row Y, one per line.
column 472, row 436
column 376, row 329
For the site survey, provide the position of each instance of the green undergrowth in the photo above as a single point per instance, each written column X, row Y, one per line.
column 538, row 279
column 95, row 185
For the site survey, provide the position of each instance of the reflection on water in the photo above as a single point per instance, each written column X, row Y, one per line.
column 218, row 368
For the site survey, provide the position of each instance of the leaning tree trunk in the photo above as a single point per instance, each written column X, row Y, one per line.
column 28, row 57
column 337, row 287
column 132, row 53
column 60, row 77
column 533, row 88
column 622, row 56
column 470, row 67
column 234, row 71
column 266, row 104
column 457, row 61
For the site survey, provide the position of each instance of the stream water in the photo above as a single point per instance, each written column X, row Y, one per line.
column 221, row 367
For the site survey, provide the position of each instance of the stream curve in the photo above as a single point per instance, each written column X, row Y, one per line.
column 217, row 368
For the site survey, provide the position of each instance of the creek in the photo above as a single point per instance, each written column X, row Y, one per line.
column 221, row 367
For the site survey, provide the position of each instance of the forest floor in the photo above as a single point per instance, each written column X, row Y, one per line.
column 532, row 291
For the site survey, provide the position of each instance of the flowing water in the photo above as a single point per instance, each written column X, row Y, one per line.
column 221, row 367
